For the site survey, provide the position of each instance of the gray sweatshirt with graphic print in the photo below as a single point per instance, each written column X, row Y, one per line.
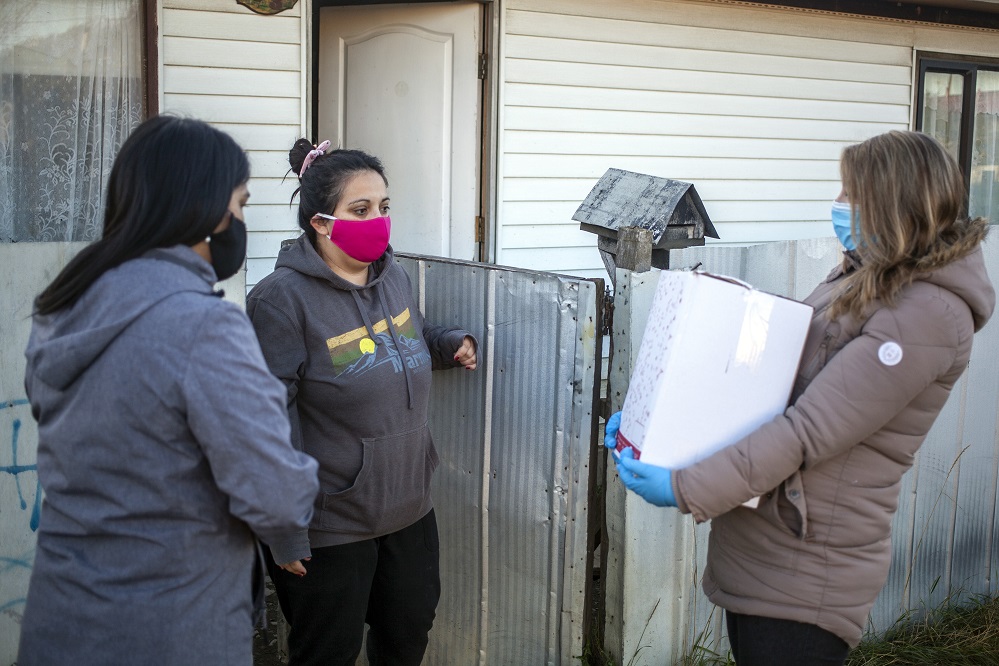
column 356, row 361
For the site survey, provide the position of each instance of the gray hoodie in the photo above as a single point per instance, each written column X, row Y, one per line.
column 356, row 361
column 163, row 447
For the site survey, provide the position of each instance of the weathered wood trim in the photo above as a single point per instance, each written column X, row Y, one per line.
column 897, row 11
column 150, row 58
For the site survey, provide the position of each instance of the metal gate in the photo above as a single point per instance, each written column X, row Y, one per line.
column 517, row 445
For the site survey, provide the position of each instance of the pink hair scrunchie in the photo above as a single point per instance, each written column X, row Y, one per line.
column 313, row 154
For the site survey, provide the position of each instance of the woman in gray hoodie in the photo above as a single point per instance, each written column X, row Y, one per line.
column 163, row 440
column 338, row 324
column 890, row 335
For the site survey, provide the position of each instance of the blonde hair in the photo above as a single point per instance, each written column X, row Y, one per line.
column 909, row 195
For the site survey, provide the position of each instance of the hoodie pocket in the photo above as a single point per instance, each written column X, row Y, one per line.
column 392, row 489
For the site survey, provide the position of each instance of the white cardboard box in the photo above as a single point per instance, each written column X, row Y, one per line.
column 717, row 360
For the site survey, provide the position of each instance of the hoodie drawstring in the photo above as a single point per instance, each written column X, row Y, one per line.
column 395, row 338
column 364, row 316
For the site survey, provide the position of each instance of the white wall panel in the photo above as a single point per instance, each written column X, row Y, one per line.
column 261, row 244
column 246, row 26
column 680, row 168
column 215, row 81
column 650, row 77
column 753, row 106
column 258, row 269
column 697, row 26
column 580, row 143
column 232, row 53
column 708, row 56
column 712, row 104
column 270, row 164
column 666, row 124
column 244, row 73
column 267, row 218
column 224, row 6
column 554, row 259
column 540, row 212
column 275, row 191
column 542, row 236
column 232, row 108
column 270, row 136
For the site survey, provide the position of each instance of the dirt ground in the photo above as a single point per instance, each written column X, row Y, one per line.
column 265, row 644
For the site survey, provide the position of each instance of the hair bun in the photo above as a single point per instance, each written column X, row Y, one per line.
column 296, row 156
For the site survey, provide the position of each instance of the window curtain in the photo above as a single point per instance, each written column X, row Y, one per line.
column 984, row 195
column 70, row 92
column 943, row 96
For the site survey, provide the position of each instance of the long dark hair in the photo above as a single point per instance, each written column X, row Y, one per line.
column 322, row 185
column 170, row 185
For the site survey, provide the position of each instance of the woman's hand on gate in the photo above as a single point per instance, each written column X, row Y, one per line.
column 466, row 353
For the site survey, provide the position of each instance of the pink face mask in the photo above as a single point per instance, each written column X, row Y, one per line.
column 363, row 240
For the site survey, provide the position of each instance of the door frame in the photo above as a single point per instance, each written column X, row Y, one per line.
column 485, row 219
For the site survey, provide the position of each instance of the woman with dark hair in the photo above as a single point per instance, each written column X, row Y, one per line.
column 163, row 440
column 890, row 335
column 338, row 324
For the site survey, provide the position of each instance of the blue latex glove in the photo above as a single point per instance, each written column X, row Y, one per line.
column 610, row 430
column 650, row 482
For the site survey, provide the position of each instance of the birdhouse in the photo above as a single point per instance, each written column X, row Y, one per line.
column 670, row 210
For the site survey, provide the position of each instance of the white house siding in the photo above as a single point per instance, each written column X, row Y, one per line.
column 752, row 105
column 244, row 73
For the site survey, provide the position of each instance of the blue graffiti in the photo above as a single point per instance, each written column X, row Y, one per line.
column 15, row 470
column 6, row 564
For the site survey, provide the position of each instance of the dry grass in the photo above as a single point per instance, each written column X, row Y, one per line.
column 964, row 634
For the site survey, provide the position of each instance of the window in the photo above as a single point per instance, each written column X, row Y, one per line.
column 71, row 89
column 958, row 103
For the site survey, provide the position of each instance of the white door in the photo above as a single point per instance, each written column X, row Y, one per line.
column 401, row 82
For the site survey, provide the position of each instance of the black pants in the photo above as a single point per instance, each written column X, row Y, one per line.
column 764, row 641
column 392, row 583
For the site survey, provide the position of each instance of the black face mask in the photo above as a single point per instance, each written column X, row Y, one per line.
column 228, row 248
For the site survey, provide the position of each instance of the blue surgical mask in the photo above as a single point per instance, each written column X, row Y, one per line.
column 841, row 223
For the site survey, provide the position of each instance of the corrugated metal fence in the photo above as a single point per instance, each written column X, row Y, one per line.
column 514, row 437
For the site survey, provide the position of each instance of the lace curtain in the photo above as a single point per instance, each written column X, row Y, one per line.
column 943, row 97
column 984, row 195
column 943, row 100
column 70, row 92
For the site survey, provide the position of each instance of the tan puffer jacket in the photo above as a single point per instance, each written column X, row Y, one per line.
column 818, row 547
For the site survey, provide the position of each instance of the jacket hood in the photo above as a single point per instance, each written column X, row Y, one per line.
column 968, row 279
column 67, row 342
column 965, row 277
column 301, row 257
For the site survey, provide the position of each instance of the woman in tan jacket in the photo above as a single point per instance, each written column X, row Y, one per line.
column 890, row 336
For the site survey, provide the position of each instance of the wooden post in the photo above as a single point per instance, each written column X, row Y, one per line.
column 634, row 249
